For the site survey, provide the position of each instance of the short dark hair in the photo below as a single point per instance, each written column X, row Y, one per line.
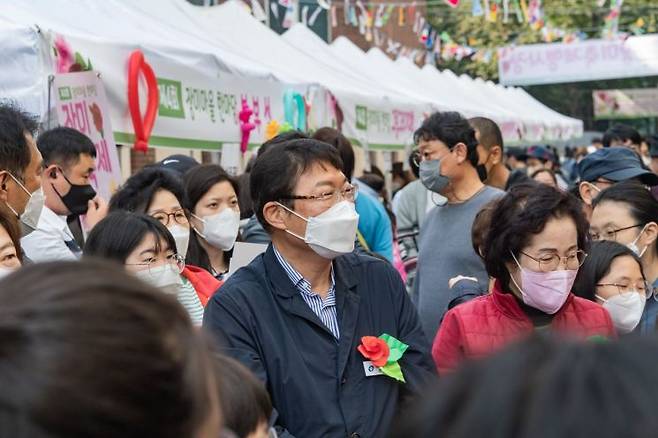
column 63, row 146
column 245, row 403
column 543, row 388
column 136, row 194
column 15, row 153
column 451, row 128
column 89, row 350
column 641, row 203
column 198, row 181
column 9, row 222
column 277, row 171
column 280, row 138
column 488, row 131
column 343, row 146
column 600, row 256
column 522, row 213
column 120, row 232
column 621, row 132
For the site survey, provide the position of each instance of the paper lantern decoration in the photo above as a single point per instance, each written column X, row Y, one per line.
column 294, row 109
column 142, row 126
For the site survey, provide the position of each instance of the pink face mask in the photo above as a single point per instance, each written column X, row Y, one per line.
column 545, row 291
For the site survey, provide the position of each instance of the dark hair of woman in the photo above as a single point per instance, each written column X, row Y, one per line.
column 519, row 215
column 544, row 388
column 197, row 183
column 597, row 265
column 87, row 350
column 244, row 401
column 642, row 205
column 137, row 192
column 117, row 236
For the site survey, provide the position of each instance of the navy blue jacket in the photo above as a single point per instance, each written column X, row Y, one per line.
column 318, row 384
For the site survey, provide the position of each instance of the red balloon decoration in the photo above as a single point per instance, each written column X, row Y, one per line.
column 143, row 127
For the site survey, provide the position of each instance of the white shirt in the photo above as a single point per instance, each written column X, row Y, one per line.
column 47, row 242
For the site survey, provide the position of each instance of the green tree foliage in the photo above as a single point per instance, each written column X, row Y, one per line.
column 568, row 15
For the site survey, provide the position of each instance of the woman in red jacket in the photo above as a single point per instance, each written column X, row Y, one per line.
column 533, row 251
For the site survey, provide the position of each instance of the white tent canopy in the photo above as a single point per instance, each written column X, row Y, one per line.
column 382, row 101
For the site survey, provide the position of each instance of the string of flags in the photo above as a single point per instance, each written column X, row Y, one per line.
column 436, row 45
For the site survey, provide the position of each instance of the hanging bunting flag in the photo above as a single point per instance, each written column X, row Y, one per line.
column 477, row 10
column 411, row 9
column 387, row 14
column 505, row 11
column 487, row 10
column 346, row 12
column 324, row 4
column 369, row 23
column 362, row 25
column 314, row 16
column 493, row 16
column 275, row 10
column 452, row 3
column 258, row 11
column 305, row 15
column 400, row 16
column 379, row 16
column 289, row 17
column 354, row 17
column 425, row 34
column 524, row 9
column 334, row 18
column 375, row 33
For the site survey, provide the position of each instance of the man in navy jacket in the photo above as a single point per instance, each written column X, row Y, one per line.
column 296, row 315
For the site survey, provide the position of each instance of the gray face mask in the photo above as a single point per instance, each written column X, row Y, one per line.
column 430, row 176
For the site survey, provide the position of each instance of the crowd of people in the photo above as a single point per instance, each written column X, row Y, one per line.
column 494, row 291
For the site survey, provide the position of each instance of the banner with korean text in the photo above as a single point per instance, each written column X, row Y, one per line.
column 81, row 104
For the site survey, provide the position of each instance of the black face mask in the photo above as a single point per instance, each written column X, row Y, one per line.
column 482, row 172
column 77, row 199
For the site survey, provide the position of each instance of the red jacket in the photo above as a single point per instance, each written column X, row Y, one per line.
column 485, row 324
column 204, row 283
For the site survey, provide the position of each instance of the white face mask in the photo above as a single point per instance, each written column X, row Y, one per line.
column 4, row 271
column 331, row 233
column 625, row 310
column 182, row 237
column 633, row 245
column 30, row 216
column 165, row 277
column 220, row 230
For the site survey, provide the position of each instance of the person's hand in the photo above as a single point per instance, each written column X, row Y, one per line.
column 96, row 211
column 454, row 280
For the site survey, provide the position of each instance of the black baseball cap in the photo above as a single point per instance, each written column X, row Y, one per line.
column 178, row 163
column 615, row 164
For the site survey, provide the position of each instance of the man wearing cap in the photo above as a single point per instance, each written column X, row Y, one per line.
column 179, row 164
column 608, row 166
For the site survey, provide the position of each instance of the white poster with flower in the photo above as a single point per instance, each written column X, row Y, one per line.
column 81, row 104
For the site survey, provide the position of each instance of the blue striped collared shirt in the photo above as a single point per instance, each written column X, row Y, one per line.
column 324, row 309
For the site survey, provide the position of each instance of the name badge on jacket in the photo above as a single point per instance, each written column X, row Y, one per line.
column 371, row 370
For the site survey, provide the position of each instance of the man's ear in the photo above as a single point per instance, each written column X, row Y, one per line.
column 650, row 233
column 461, row 151
column 496, row 155
column 585, row 190
column 3, row 185
column 274, row 215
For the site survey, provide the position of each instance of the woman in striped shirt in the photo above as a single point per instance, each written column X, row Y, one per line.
column 147, row 249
